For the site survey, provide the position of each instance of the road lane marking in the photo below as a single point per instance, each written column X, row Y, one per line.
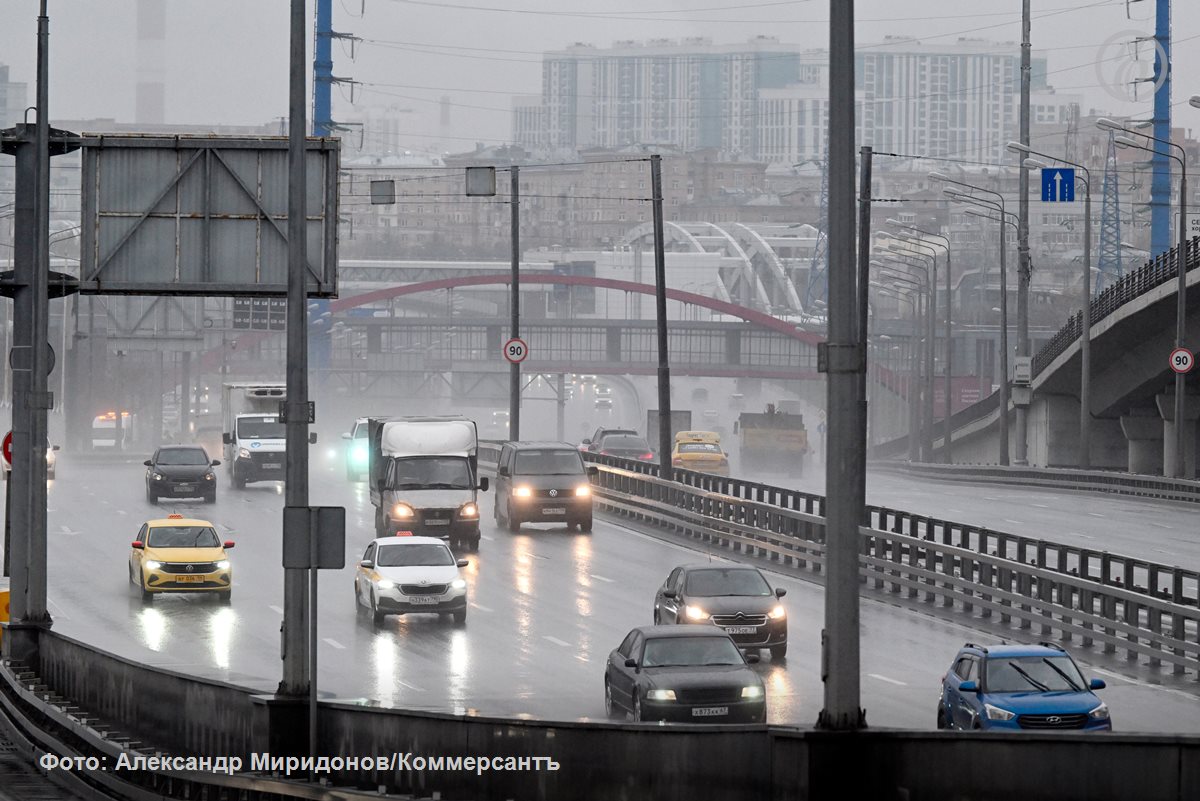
column 122, row 512
column 481, row 607
column 335, row 643
column 1039, row 505
column 556, row 641
column 1162, row 525
column 1077, row 534
column 1160, row 550
column 486, row 537
column 1014, row 522
column 276, row 609
column 889, row 681
column 412, row 687
column 1096, row 514
column 69, row 532
column 601, row 578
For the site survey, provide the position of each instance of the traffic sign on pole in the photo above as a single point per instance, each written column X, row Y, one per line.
column 1058, row 185
column 1182, row 361
column 515, row 350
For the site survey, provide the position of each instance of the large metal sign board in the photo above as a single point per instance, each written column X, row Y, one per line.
column 202, row 215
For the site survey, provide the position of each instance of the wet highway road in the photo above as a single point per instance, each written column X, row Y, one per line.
column 546, row 609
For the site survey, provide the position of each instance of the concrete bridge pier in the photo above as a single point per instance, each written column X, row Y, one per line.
column 1166, row 408
column 1143, row 430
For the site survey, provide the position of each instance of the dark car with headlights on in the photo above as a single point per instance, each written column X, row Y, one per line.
column 543, row 482
column 737, row 599
column 626, row 446
column 683, row 674
column 181, row 471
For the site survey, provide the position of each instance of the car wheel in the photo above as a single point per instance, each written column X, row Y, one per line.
column 657, row 617
column 376, row 616
column 636, row 717
column 586, row 525
column 460, row 616
column 941, row 717
column 211, row 497
column 778, row 652
column 239, row 482
column 610, row 709
column 147, row 596
column 226, row 596
column 150, row 496
column 510, row 521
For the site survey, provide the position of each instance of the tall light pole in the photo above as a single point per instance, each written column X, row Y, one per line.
column 914, row 365
column 1024, row 268
column 1178, row 467
column 1085, row 336
column 914, row 250
column 920, row 430
column 947, row 437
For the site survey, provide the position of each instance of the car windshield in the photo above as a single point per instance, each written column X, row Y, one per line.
column 360, row 431
column 430, row 472
column 625, row 443
column 726, row 581
column 182, row 456
column 699, row 447
column 182, row 537
column 431, row 555
column 1033, row 674
column 690, row 652
column 549, row 463
column 261, row 428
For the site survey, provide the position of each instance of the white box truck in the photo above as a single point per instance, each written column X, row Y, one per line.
column 254, row 437
column 424, row 477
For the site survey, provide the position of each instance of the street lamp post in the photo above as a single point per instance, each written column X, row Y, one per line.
column 911, row 381
column 917, row 251
column 1178, row 468
column 1085, row 325
column 918, row 396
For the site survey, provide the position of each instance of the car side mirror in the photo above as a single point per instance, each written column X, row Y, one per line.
column 670, row 594
column 593, row 471
column 502, row 471
column 483, row 484
column 367, row 563
column 226, row 439
column 630, row 662
column 138, row 544
column 347, row 436
column 752, row 658
column 780, row 592
column 462, row 563
column 312, row 438
column 216, row 462
column 1096, row 684
column 586, row 441
column 56, row 447
column 969, row 687
column 148, row 463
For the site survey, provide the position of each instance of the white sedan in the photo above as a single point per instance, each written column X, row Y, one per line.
column 404, row 575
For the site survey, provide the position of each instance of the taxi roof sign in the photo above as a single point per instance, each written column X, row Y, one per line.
column 697, row 436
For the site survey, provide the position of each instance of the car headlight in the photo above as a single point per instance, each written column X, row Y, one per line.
column 696, row 613
column 468, row 510
column 157, row 476
column 661, row 695
column 359, row 454
column 523, row 492
column 996, row 713
column 243, row 453
column 752, row 692
column 209, row 477
column 582, row 491
column 152, row 564
column 458, row 584
column 777, row 612
column 385, row 584
column 223, row 564
column 402, row 511
column 1099, row 713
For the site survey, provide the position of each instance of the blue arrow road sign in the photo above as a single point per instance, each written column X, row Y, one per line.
column 1058, row 185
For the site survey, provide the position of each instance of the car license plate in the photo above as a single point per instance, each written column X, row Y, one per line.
column 272, row 465
column 709, row 711
column 741, row 629
column 437, row 522
column 183, row 487
column 422, row 600
column 189, row 579
column 555, row 510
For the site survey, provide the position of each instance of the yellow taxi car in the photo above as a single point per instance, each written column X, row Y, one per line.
column 700, row 451
column 179, row 554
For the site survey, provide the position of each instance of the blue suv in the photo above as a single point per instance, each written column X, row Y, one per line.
column 1019, row 688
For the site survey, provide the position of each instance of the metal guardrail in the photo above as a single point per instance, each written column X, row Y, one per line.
column 1175, row 489
column 1146, row 609
column 1155, row 272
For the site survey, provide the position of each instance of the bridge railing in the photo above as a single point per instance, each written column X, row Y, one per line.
column 1148, row 609
column 1155, row 272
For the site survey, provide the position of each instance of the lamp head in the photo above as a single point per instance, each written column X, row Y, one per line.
column 1031, row 163
column 1106, row 124
column 940, row 176
column 1017, row 147
column 1194, row 101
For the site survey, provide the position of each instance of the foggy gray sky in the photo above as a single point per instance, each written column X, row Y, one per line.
column 226, row 59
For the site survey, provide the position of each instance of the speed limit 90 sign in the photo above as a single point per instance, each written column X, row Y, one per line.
column 1182, row 360
column 515, row 350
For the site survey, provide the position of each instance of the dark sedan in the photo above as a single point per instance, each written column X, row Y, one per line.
column 625, row 446
column 737, row 599
column 181, row 471
column 682, row 674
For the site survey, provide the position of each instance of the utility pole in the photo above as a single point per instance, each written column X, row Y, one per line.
column 864, row 306
column 514, row 369
column 665, row 433
column 1024, row 269
column 296, row 681
column 844, row 363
